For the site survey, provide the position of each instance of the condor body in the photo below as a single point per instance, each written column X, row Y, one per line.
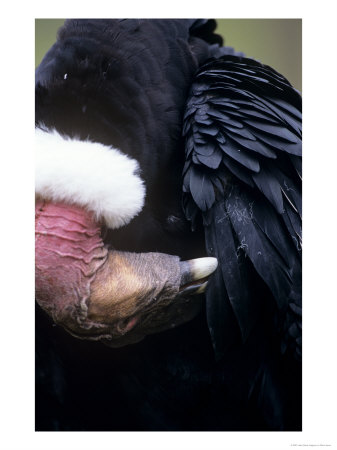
column 156, row 145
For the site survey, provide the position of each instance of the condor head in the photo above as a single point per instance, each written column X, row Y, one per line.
column 87, row 286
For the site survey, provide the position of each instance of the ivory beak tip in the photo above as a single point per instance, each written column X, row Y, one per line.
column 203, row 267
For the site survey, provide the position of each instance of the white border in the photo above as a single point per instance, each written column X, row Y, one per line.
column 17, row 288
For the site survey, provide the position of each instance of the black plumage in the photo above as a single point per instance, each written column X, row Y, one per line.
column 261, row 205
column 218, row 140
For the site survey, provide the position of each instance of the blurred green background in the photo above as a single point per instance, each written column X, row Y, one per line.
column 276, row 42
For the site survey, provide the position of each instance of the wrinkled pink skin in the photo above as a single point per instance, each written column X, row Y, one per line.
column 117, row 297
column 69, row 251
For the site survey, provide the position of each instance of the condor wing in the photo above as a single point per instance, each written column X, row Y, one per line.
column 242, row 176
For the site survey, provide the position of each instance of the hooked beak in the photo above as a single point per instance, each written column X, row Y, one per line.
column 145, row 293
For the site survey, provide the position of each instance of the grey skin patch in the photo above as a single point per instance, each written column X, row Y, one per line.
column 133, row 295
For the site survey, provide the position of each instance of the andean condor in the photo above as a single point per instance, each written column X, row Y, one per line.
column 157, row 146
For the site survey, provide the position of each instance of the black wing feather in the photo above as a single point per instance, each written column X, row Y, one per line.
column 266, row 261
column 220, row 315
column 234, row 273
column 267, row 184
column 243, row 124
column 268, row 221
column 202, row 189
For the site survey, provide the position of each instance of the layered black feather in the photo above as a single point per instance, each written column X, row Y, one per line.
column 243, row 128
